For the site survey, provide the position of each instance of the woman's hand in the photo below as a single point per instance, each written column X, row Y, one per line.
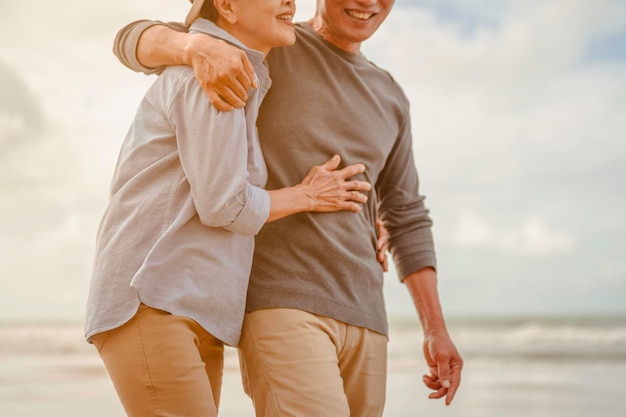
column 329, row 189
column 324, row 189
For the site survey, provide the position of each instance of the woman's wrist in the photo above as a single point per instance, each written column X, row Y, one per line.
column 298, row 198
column 287, row 201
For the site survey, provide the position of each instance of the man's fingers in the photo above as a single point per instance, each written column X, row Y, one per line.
column 382, row 244
column 435, row 384
column 232, row 90
column 240, row 87
column 249, row 71
column 382, row 259
column 235, row 95
column 431, row 383
column 439, row 394
column 455, row 380
column 217, row 102
column 238, row 76
column 228, row 96
column 451, row 392
column 444, row 372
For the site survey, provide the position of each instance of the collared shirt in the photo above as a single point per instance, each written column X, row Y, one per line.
column 186, row 201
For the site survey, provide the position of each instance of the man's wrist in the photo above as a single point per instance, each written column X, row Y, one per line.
column 190, row 44
column 187, row 51
column 422, row 286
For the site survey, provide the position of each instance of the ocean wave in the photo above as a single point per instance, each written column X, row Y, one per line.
column 537, row 339
column 531, row 340
column 42, row 339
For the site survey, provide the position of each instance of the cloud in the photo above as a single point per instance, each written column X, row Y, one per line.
column 514, row 108
column 518, row 128
column 533, row 237
column 21, row 117
column 518, row 121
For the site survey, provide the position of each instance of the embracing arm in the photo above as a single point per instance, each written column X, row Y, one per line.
column 324, row 189
column 214, row 153
column 223, row 71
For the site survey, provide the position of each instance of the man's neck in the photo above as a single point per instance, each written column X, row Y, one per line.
column 322, row 29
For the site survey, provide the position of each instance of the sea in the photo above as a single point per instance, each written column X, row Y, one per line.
column 514, row 367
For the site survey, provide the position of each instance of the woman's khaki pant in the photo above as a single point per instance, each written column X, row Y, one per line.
column 163, row 365
column 299, row 364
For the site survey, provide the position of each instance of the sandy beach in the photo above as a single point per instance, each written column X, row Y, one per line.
column 513, row 370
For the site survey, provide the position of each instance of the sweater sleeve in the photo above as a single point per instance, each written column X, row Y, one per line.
column 402, row 208
column 127, row 39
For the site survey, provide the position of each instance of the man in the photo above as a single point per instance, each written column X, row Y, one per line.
column 315, row 334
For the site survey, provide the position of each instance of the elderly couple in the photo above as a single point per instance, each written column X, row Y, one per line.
column 218, row 231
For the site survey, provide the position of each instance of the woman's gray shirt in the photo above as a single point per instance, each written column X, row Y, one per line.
column 186, row 201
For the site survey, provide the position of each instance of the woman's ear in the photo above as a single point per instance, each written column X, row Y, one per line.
column 226, row 9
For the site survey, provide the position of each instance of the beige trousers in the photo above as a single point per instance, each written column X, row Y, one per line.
column 163, row 365
column 296, row 363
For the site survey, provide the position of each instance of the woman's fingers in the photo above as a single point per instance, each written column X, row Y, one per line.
column 354, row 195
column 350, row 171
column 356, row 185
column 332, row 163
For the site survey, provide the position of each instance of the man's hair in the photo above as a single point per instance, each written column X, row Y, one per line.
column 208, row 11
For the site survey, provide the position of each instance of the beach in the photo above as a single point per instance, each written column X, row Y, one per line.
column 513, row 368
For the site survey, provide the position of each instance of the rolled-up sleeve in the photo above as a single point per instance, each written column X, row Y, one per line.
column 213, row 150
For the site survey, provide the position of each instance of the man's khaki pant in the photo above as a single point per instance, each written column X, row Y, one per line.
column 299, row 364
column 163, row 365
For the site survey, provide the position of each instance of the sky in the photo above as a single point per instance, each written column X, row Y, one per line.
column 519, row 121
